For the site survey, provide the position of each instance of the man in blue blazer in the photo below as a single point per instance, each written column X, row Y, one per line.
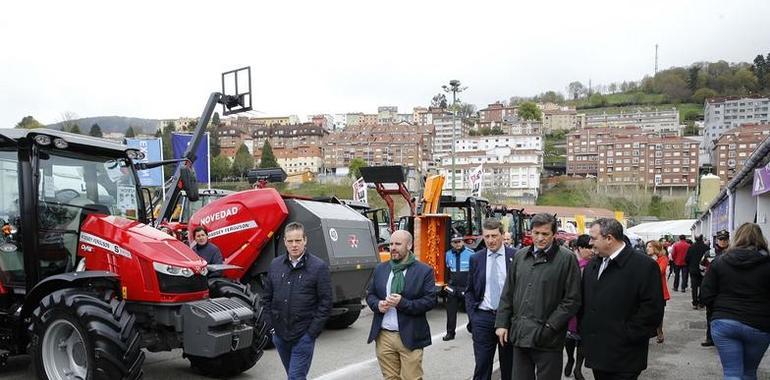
column 486, row 278
column 402, row 291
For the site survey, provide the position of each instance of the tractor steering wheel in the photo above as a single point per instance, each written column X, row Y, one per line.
column 66, row 195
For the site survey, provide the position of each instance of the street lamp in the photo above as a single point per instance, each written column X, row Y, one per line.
column 454, row 87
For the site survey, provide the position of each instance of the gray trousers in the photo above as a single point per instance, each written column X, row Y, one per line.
column 531, row 364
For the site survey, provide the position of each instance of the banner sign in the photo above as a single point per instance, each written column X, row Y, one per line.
column 475, row 178
column 719, row 216
column 152, row 152
column 179, row 143
column 761, row 183
column 360, row 191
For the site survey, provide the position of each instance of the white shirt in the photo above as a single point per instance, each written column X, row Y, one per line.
column 390, row 319
column 486, row 303
column 612, row 257
column 295, row 263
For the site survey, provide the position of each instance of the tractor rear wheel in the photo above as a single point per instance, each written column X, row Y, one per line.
column 233, row 363
column 78, row 334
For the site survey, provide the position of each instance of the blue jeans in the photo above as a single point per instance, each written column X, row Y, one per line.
column 295, row 356
column 741, row 348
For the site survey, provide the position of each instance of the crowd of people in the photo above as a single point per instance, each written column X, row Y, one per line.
column 598, row 298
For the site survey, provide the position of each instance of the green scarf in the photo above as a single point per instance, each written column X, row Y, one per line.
column 398, row 268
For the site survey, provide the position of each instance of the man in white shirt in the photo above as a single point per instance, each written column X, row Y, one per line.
column 622, row 305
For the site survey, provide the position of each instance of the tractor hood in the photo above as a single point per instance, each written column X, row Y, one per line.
column 138, row 253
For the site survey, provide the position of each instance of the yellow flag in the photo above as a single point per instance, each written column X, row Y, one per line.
column 619, row 216
column 581, row 224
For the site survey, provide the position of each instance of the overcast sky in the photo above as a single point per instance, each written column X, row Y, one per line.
column 161, row 59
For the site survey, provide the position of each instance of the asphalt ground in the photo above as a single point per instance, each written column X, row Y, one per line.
column 344, row 354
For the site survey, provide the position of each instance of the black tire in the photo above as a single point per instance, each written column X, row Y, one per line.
column 257, row 288
column 109, row 341
column 343, row 321
column 233, row 363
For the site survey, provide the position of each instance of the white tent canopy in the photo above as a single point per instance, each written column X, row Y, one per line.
column 656, row 230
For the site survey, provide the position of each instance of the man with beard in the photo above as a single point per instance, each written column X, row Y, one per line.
column 400, row 294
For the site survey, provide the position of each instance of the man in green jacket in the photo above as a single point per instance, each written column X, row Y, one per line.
column 541, row 294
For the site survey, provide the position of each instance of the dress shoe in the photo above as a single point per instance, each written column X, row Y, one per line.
column 578, row 374
column 448, row 337
column 707, row 343
column 695, row 307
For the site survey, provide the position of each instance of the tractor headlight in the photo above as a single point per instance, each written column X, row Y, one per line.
column 135, row 154
column 43, row 140
column 60, row 144
column 172, row 270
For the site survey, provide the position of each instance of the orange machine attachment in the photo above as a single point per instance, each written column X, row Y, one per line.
column 432, row 194
column 431, row 243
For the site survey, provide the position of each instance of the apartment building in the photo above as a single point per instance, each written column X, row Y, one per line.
column 230, row 140
column 582, row 147
column 448, row 129
column 496, row 112
column 652, row 162
column 733, row 147
column 725, row 113
column 289, row 136
column 400, row 144
column 661, row 121
column 561, row 120
column 512, row 165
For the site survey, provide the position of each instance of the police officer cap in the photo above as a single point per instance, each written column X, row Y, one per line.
column 457, row 237
column 723, row 234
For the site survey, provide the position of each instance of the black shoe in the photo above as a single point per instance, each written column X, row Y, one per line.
column 448, row 337
column 707, row 343
column 578, row 375
column 568, row 367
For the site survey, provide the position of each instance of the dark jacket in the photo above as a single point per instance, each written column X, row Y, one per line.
column 457, row 278
column 737, row 287
column 477, row 278
column 620, row 312
column 209, row 252
column 418, row 297
column 540, row 296
column 694, row 256
column 297, row 300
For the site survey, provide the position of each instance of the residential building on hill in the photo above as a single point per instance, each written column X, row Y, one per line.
column 496, row 112
column 399, row 144
column 725, row 113
column 733, row 147
column 582, row 148
column 562, row 120
column 512, row 165
column 658, row 163
column 661, row 121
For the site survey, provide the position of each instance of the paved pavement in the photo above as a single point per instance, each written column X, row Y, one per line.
column 344, row 354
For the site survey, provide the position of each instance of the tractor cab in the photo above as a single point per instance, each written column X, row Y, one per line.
column 468, row 215
column 51, row 181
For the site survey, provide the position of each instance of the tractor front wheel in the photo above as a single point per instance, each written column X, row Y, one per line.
column 77, row 334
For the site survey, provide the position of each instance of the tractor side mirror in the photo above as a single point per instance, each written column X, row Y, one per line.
column 189, row 182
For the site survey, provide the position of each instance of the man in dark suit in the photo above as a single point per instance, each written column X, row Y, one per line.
column 622, row 305
column 402, row 291
column 486, row 278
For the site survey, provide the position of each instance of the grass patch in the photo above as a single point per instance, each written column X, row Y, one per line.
column 633, row 202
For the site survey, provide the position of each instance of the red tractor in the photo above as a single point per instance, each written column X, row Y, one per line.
column 86, row 284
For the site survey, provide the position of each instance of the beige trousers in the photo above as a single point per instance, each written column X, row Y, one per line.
column 396, row 361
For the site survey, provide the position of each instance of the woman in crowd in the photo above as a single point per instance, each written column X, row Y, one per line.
column 737, row 290
column 656, row 251
column 584, row 252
